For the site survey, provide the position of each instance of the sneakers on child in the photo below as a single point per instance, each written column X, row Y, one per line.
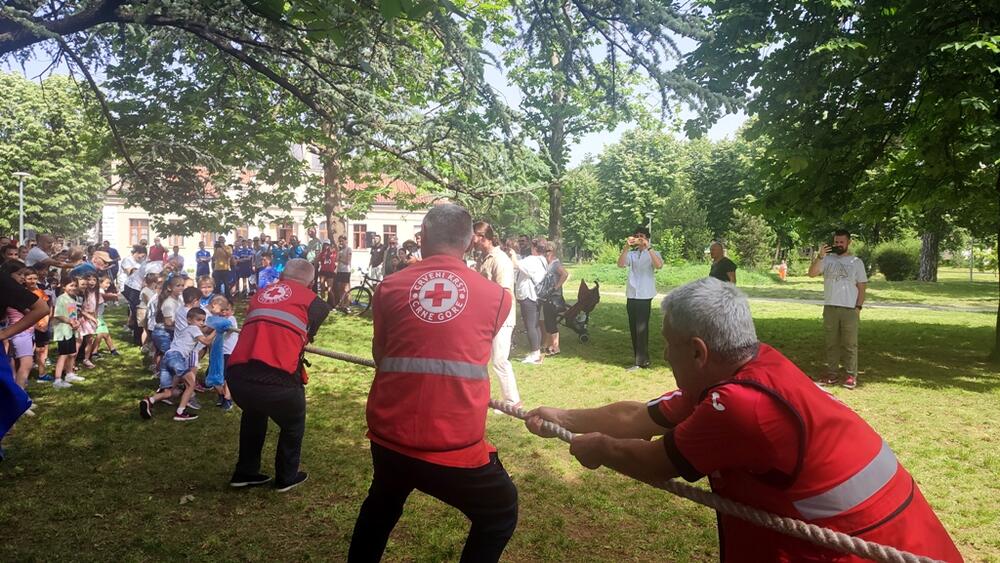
column 61, row 384
column 88, row 364
column 227, row 405
column 184, row 416
column 194, row 404
column 830, row 379
column 115, row 352
column 145, row 409
column 200, row 388
column 220, row 401
column 96, row 356
column 850, row 383
column 45, row 378
column 74, row 378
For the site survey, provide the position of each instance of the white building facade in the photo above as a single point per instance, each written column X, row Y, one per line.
column 125, row 226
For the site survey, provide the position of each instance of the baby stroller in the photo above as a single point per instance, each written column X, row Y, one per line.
column 575, row 317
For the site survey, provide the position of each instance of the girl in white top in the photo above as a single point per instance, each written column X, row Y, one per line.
column 530, row 272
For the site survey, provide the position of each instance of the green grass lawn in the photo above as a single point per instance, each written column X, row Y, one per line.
column 88, row 480
column 952, row 290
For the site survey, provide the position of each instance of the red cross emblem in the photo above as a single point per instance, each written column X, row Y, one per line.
column 438, row 296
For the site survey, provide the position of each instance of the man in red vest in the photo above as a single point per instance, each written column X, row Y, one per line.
column 266, row 377
column 434, row 327
column 764, row 433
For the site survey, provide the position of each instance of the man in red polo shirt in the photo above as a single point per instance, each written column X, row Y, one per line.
column 764, row 433
column 434, row 326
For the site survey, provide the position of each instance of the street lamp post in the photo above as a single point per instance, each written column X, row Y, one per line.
column 20, row 209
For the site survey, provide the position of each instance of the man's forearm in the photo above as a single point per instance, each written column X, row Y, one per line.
column 862, row 287
column 625, row 419
column 639, row 459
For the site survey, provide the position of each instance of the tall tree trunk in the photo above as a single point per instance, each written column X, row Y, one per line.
column 557, row 155
column 995, row 353
column 929, row 253
column 333, row 198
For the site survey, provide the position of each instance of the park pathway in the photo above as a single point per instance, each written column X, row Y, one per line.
column 868, row 304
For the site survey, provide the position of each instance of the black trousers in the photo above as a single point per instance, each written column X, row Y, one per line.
column 132, row 295
column 486, row 495
column 638, row 328
column 222, row 286
column 286, row 406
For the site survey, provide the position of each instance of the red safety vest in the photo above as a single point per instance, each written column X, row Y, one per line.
column 276, row 328
column 434, row 327
column 846, row 478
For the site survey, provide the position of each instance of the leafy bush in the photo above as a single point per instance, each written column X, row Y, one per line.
column 898, row 260
column 607, row 253
column 866, row 253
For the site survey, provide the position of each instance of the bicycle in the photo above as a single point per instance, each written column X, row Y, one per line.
column 360, row 296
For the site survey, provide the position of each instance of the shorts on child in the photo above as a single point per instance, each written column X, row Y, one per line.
column 174, row 364
column 161, row 339
column 65, row 347
column 42, row 338
column 23, row 344
column 102, row 327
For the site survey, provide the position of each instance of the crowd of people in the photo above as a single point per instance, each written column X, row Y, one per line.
column 743, row 415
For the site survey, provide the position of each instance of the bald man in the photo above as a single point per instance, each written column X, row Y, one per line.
column 266, row 376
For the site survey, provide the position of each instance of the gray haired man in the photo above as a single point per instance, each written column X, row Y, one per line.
column 763, row 433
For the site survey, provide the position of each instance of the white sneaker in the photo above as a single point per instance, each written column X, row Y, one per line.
column 29, row 412
column 74, row 378
column 533, row 358
column 61, row 384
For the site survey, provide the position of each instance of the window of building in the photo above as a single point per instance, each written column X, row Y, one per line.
column 175, row 240
column 388, row 231
column 208, row 238
column 138, row 229
column 284, row 231
column 359, row 235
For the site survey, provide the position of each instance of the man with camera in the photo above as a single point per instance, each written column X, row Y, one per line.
column 844, row 282
column 642, row 263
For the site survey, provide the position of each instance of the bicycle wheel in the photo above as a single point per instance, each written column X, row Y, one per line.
column 359, row 299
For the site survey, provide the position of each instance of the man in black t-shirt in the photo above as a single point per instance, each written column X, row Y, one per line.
column 722, row 268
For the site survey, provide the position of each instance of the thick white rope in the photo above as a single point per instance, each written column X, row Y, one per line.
column 823, row 537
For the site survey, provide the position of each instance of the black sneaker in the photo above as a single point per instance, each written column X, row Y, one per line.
column 144, row 411
column 298, row 480
column 185, row 416
column 115, row 352
column 249, row 480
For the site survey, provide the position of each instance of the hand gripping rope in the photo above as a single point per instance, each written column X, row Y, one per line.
column 824, row 537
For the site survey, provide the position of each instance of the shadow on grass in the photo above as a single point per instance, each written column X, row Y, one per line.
column 908, row 352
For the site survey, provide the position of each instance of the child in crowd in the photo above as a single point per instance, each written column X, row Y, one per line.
column 105, row 294
column 175, row 367
column 206, row 285
column 65, row 322
column 87, row 301
column 224, row 324
column 42, row 335
column 22, row 345
column 161, row 316
column 150, row 288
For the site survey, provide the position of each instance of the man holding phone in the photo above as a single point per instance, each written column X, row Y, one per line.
column 844, row 283
column 642, row 263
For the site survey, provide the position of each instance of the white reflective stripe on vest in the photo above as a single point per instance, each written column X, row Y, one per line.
column 279, row 315
column 434, row 366
column 852, row 492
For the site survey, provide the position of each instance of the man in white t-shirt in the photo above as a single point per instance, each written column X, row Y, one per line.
column 642, row 262
column 844, row 283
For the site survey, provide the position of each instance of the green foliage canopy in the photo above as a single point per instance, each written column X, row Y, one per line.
column 49, row 130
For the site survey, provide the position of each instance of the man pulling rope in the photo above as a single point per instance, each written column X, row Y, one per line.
column 765, row 435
